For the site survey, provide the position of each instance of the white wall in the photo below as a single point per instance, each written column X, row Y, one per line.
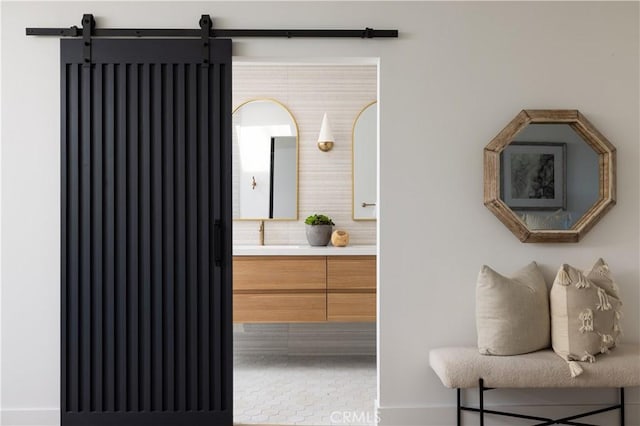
column 457, row 75
column 1, row 222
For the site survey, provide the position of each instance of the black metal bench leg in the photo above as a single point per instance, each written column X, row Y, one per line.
column 459, row 409
column 481, row 390
column 545, row 420
column 621, row 406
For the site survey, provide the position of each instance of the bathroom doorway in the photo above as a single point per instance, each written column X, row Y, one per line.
column 305, row 317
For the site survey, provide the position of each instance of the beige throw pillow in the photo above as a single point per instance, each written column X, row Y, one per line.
column 585, row 314
column 512, row 314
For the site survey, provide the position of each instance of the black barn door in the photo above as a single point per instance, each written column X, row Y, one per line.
column 146, row 233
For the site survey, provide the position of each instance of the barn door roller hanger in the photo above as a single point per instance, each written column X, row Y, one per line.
column 205, row 32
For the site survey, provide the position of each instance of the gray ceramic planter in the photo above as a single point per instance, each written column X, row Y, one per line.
column 319, row 235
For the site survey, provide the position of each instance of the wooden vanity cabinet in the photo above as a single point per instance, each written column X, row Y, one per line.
column 304, row 288
column 279, row 288
column 351, row 288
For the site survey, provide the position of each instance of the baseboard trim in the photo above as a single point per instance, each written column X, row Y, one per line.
column 37, row 417
column 446, row 415
column 443, row 415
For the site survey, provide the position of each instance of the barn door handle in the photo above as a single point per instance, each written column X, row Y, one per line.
column 217, row 242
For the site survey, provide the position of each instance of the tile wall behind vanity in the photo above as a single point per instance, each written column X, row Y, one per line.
column 309, row 91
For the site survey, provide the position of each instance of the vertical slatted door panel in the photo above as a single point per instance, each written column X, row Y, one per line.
column 146, row 278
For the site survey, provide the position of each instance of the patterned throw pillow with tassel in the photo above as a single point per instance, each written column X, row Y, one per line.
column 585, row 314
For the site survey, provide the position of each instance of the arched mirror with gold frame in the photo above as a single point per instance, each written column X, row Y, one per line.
column 549, row 176
column 265, row 161
column 364, row 163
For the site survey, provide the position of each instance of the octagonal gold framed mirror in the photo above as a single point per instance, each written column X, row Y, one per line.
column 549, row 176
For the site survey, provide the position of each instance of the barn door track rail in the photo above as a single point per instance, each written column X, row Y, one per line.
column 206, row 28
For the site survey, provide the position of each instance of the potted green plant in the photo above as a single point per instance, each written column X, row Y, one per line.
column 318, row 228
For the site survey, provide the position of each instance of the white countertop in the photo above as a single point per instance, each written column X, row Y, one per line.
column 303, row 250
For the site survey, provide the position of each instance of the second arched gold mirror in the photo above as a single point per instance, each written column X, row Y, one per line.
column 364, row 163
column 265, row 161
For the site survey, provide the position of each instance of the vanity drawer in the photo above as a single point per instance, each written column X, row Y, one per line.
column 279, row 273
column 351, row 307
column 294, row 307
column 351, row 272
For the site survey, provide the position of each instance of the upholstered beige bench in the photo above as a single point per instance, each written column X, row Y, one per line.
column 464, row 367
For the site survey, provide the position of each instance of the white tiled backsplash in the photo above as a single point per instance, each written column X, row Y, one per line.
column 309, row 91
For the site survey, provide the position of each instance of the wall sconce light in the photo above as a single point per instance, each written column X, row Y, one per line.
column 325, row 139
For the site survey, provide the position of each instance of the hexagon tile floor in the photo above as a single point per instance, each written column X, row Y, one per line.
column 304, row 390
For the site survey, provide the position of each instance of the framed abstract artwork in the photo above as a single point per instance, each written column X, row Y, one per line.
column 534, row 175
